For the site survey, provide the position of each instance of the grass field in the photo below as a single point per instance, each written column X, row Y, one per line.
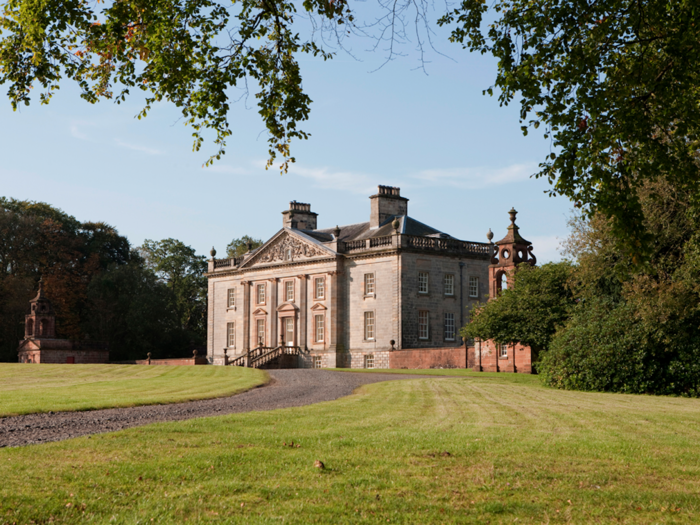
column 26, row 389
column 435, row 450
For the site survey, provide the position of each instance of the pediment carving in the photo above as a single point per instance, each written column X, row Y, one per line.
column 259, row 311
column 286, row 249
column 318, row 306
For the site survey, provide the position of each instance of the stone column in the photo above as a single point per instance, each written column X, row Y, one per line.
column 246, row 315
column 333, row 317
column 303, row 308
column 273, row 312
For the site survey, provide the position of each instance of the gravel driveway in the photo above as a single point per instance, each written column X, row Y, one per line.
column 289, row 388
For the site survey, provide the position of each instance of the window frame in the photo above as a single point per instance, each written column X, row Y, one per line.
column 473, row 286
column 289, row 286
column 451, row 277
column 322, row 282
column 257, row 332
column 231, row 298
column 503, row 351
column 370, row 281
column 369, row 361
column 231, row 334
column 449, row 316
column 369, row 315
column 422, row 282
column 258, row 288
column 316, row 361
column 319, row 330
column 421, row 325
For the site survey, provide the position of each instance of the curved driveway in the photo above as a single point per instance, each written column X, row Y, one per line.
column 288, row 388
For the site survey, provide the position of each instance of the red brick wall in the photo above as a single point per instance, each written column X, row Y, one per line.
column 82, row 357
column 429, row 358
column 519, row 358
column 176, row 362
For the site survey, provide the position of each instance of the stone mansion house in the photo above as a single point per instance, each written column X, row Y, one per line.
column 389, row 292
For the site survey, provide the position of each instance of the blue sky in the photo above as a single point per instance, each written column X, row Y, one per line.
column 457, row 155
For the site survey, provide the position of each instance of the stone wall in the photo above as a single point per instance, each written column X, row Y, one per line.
column 436, row 302
column 429, row 358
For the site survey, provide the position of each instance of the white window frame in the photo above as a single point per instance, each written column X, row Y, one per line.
column 370, row 326
column 369, row 361
column 259, row 332
column 289, row 287
column 231, row 335
column 231, row 299
column 316, row 361
column 319, row 328
column 449, row 326
column 320, row 286
column 423, row 282
column 448, row 284
column 503, row 351
column 260, row 293
column 473, row 287
column 423, row 325
column 369, row 284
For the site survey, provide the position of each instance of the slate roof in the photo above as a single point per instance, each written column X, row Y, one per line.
column 352, row 232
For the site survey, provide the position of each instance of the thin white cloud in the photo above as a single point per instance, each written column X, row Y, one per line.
column 476, row 178
column 229, row 170
column 136, row 147
column 326, row 178
column 75, row 132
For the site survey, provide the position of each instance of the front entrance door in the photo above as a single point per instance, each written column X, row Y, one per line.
column 289, row 331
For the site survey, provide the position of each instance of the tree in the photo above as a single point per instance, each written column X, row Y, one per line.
column 238, row 247
column 189, row 52
column 616, row 85
column 182, row 271
column 529, row 312
column 134, row 313
column 635, row 328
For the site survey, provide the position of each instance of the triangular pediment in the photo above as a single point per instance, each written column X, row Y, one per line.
column 259, row 311
column 288, row 246
column 317, row 307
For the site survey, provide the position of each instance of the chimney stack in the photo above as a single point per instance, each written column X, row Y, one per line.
column 299, row 216
column 387, row 203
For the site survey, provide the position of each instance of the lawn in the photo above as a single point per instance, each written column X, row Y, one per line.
column 26, row 388
column 473, row 449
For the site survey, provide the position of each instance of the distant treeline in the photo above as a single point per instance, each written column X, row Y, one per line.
column 138, row 300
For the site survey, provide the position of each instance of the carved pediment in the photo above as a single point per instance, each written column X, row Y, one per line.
column 259, row 311
column 317, row 307
column 287, row 248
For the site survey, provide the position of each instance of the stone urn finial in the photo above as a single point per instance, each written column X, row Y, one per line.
column 395, row 224
column 512, row 213
column 489, row 235
column 194, row 353
column 212, row 252
column 336, row 232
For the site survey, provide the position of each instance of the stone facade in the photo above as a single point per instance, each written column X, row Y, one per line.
column 355, row 296
column 40, row 344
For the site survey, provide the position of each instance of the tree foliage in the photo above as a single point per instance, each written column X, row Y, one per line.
column 239, row 246
column 182, row 271
column 189, row 52
column 616, row 85
column 635, row 328
column 529, row 312
column 101, row 289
